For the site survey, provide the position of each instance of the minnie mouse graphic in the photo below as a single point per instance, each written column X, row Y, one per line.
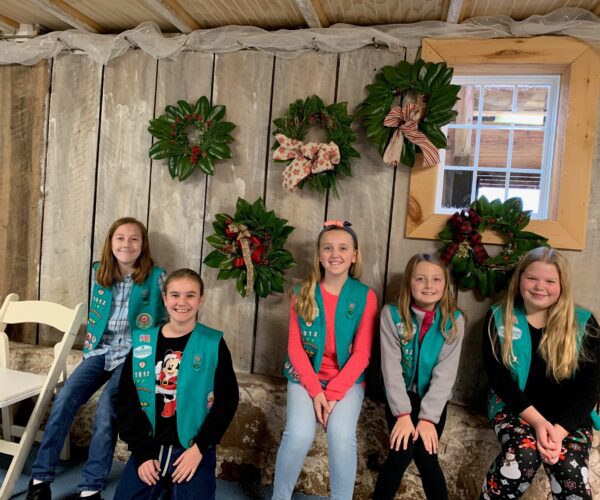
column 166, row 381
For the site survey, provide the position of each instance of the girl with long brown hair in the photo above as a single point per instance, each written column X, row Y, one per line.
column 126, row 295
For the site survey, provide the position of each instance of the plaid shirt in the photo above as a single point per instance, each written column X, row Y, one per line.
column 116, row 340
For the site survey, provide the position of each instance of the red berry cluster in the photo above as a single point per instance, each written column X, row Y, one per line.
column 195, row 153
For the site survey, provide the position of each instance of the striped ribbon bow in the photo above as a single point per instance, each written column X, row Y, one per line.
column 244, row 238
column 310, row 158
column 406, row 122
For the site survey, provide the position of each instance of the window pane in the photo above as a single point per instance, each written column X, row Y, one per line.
column 528, row 147
column 531, row 105
column 491, row 185
column 493, row 148
column 457, row 189
column 468, row 105
column 461, row 147
column 497, row 105
column 526, row 187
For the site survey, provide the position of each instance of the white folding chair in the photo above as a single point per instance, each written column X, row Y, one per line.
column 16, row 385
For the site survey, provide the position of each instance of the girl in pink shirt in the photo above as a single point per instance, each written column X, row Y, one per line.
column 332, row 322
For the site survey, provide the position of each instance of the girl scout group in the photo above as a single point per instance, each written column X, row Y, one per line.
column 171, row 392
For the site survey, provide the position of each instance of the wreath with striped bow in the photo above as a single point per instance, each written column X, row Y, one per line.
column 313, row 164
column 249, row 248
column 426, row 99
column 190, row 137
column 471, row 265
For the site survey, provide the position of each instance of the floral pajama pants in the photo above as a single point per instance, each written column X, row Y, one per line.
column 514, row 468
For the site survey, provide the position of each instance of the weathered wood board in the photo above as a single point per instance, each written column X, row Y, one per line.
column 70, row 183
column 24, row 92
column 310, row 73
column 176, row 208
column 123, row 178
column 242, row 83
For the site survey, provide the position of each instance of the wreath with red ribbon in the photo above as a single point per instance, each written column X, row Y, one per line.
column 314, row 164
column 249, row 248
column 469, row 261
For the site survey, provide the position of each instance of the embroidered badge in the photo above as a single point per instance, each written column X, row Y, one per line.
column 144, row 337
column 142, row 351
column 93, row 340
column 351, row 310
column 517, row 333
column 100, row 292
column 144, row 320
column 88, row 336
column 210, row 400
column 142, row 364
column 145, row 295
column 309, row 323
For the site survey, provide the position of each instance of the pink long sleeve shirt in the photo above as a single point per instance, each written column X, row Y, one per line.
column 338, row 380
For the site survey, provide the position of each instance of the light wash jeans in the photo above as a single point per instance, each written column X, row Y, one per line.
column 87, row 378
column 300, row 432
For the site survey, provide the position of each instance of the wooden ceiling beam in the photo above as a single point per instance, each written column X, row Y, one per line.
column 68, row 14
column 174, row 13
column 455, row 11
column 8, row 25
column 313, row 13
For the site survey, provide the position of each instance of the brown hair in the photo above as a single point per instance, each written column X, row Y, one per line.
column 184, row 273
column 446, row 305
column 108, row 271
column 306, row 306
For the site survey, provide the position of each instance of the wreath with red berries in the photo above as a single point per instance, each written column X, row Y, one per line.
column 470, row 264
column 190, row 137
column 249, row 248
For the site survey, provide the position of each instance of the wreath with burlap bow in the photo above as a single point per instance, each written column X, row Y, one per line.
column 190, row 137
column 426, row 99
column 249, row 248
column 314, row 164
column 471, row 265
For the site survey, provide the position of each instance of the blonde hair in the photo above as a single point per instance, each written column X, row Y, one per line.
column 446, row 305
column 558, row 346
column 306, row 306
column 108, row 270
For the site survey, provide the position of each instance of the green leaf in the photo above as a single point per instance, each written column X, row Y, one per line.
column 214, row 258
column 217, row 241
column 185, row 168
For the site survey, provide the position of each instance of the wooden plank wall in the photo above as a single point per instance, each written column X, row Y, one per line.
column 59, row 195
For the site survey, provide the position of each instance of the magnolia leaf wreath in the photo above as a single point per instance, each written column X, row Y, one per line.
column 249, row 248
column 190, row 137
column 471, row 265
column 314, row 164
column 426, row 99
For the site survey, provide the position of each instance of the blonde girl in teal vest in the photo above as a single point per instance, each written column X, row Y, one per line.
column 421, row 338
column 177, row 396
column 542, row 355
column 126, row 294
column 332, row 322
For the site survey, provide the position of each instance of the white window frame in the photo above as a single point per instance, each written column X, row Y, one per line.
column 552, row 82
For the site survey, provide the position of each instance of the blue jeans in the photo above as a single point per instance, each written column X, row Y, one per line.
column 300, row 432
column 87, row 378
column 203, row 484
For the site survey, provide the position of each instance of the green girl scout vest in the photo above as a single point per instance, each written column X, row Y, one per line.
column 195, row 381
column 522, row 352
column 348, row 313
column 420, row 359
column 145, row 308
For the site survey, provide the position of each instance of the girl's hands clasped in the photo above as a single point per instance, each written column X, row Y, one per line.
column 426, row 431
column 186, row 464
column 402, row 432
column 323, row 408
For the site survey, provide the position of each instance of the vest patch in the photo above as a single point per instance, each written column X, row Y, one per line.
column 144, row 320
column 142, row 351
